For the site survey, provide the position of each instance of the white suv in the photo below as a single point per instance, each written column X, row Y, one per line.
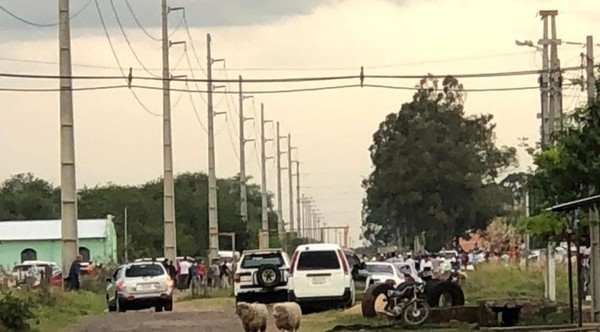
column 321, row 277
column 262, row 276
column 140, row 285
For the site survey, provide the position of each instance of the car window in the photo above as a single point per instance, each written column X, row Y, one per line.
column 380, row 269
column 145, row 270
column 318, row 260
column 352, row 261
column 116, row 273
column 256, row 260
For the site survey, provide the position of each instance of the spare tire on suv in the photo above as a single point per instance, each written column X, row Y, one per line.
column 268, row 276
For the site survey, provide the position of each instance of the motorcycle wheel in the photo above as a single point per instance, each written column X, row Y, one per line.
column 416, row 313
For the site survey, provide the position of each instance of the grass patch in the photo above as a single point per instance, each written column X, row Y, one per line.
column 68, row 309
column 496, row 281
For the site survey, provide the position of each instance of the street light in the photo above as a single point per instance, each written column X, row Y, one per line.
column 529, row 43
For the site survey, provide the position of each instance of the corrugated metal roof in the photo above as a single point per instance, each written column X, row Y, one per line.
column 49, row 229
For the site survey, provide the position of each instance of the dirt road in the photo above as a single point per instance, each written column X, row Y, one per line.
column 206, row 316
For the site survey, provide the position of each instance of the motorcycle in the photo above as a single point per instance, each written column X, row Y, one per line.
column 407, row 303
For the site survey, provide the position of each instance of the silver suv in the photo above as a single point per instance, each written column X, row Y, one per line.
column 140, row 285
column 262, row 276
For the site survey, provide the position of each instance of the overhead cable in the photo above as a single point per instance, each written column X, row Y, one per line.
column 43, row 25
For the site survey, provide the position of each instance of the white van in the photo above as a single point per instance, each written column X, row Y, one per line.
column 320, row 276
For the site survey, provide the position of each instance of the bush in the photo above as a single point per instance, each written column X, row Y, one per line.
column 97, row 283
column 15, row 313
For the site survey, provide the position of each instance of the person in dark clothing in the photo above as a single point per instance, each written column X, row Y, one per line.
column 172, row 271
column 73, row 277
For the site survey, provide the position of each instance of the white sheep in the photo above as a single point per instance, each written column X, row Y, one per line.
column 253, row 316
column 287, row 316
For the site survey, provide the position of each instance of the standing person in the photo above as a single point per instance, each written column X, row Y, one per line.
column 172, row 271
column 215, row 272
column 202, row 271
column 426, row 268
column 184, row 274
column 224, row 274
column 436, row 263
column 411, row 262
column 73, row 277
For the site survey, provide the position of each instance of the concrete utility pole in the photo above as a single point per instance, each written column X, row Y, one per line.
column 298, row 204
column 243, row 141
column 290, row 182
column 263, row 187
column 551, row 110
column 126, row 235
column 170, row 229
column 594, row 228
column 68, row 183
column 280, row 221
column 213, row 217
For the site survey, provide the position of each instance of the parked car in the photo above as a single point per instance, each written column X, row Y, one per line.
column 320, row 276
column 262, row 276
column 384, row 272
column 447, row 256
column 140, row 285
column 34, row 270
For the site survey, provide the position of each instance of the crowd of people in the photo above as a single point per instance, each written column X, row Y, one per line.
column 186, row 272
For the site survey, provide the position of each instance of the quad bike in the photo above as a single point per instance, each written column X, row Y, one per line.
column 408, row 303
column 430, row 292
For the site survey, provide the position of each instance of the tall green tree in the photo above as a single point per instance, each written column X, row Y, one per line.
column 434, row 169
column 25, row 197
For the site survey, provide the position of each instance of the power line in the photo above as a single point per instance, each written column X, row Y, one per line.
column 337, row 87
column 291, row 79
column 43, row 25
column 119, row 63
column 112, row 5
column 138, row 22
column 187, row 29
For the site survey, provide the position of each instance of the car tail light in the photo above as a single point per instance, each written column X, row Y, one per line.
column 293, row 263
column 237, row 278
column 343, row 260
column 120, row 285
column 390, row 282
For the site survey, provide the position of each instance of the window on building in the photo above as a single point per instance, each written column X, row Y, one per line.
column 85, row 253
column 28, row 255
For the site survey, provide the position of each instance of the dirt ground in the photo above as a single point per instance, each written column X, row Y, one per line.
column 208, row 316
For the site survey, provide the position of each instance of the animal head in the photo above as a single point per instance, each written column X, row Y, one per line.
column 243, row 310
column 279, row 311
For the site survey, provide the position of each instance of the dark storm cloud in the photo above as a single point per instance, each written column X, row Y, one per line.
column 200, row 13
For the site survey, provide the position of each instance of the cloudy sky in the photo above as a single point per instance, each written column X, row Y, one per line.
column 118, row 141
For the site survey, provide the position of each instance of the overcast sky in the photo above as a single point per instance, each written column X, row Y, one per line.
column 118, row 141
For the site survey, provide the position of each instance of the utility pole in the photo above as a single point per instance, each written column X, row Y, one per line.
column 298, row 205
column 170, row 240
column 594, row 228
column 290, row 182
column 551, row 109
column 126, row 236
column 280, row 222
column 68, row 183
column 243, row 141
column 263, row 187
column 213, row 218
column 527, row 236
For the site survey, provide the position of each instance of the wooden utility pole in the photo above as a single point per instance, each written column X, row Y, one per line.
column 126, row 235
column 298, row 202
column 68, row 185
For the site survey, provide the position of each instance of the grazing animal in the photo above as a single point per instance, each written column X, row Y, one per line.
column 253, row 316
column 287, row 316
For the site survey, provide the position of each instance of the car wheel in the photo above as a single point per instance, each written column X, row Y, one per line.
column 169, row 305
column 158, row 308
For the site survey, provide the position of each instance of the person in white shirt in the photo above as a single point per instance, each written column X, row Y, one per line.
column 426, row 268
column 410, row 261
column 184, row 273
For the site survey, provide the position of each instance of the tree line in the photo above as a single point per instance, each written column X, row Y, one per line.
column 26, row 197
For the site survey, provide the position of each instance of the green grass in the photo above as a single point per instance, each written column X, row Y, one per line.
column 214, row 293
column 68, row 309
column 496, row 281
